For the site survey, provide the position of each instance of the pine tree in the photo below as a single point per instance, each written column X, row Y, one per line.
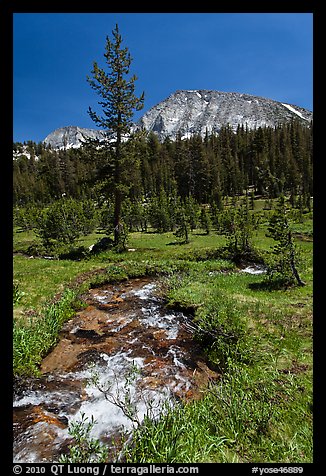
column 240, row 230
column 284, row 251
column 205, row 220
column 117, row 90
column 158, row 212
column 183, row 227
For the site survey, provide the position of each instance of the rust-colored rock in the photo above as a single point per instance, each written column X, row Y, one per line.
column 42, row 416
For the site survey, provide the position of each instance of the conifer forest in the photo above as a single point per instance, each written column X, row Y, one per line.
column 265, row 162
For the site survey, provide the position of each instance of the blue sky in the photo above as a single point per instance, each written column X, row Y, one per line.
column 265, row 54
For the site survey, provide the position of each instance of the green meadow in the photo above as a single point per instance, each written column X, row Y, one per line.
column 257, row 337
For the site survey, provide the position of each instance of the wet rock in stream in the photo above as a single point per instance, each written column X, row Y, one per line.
column 124, row 329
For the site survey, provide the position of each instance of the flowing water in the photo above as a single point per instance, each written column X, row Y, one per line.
column 124, row 330
column 254, row 269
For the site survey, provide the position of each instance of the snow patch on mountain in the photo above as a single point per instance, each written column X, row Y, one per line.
column 294, row 110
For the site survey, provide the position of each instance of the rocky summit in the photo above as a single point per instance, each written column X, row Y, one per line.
column 189, row 112
column 197, row 111
column 71, row 137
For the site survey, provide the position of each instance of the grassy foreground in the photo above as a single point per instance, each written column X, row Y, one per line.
column 260, row 340
column 261, row 409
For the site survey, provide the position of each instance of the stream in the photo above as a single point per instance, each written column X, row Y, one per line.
column 124, row 327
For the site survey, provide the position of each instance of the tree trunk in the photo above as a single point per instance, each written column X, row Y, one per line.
column 292, row 263
column 117, row 216
column 117, row 191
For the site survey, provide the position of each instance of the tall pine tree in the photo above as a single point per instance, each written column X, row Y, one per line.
column 117, row 90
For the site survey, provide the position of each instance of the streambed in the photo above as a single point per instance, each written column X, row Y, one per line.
column 124, row 328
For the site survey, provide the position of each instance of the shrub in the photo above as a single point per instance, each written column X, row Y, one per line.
column 65, row 221
column 84, row 449
column 26, row 217
column 222, row 331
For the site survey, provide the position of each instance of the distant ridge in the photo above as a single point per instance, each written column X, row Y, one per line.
column 189, row 112
column 71, row 137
